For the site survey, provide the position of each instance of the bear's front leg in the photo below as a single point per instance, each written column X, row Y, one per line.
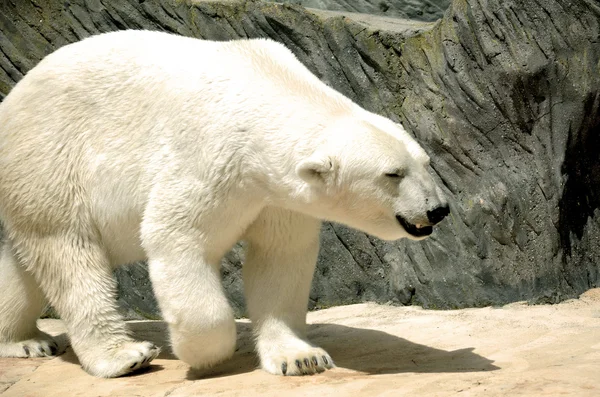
column 280, row 262
column 192, row 302
column 185, row 233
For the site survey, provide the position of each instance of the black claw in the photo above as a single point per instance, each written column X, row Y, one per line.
column 284, row 368
column 298, row 364
column 315, row 361
column 133, row 365
column 325, row 360
column 26, row 350
column 306, row 363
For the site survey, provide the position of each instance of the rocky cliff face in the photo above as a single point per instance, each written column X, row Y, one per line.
column 422, row 10
column 504, row 95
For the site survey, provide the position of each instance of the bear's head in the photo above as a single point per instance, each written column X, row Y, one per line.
column 372, row 176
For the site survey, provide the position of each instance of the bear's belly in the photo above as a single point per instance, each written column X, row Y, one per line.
column 117, row 212
column 122, row 241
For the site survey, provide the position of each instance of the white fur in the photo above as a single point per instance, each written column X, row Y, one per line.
column 134, row 145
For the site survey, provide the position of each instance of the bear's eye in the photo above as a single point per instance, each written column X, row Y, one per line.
column 395, row 174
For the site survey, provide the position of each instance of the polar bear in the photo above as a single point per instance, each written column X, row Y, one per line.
column 144, row 145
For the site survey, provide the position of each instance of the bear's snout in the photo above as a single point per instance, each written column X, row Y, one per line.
column 437, row 214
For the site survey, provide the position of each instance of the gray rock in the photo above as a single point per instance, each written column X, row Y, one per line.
column 504, row 95
column 422, row 10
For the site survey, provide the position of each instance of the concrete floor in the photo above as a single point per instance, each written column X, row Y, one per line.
column 515, row 350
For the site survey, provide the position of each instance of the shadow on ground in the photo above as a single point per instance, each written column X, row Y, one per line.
column 364, row 350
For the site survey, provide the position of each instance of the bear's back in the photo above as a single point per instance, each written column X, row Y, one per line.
column 109, row 112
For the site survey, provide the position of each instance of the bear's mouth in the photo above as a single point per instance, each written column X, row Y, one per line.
column 415, row 230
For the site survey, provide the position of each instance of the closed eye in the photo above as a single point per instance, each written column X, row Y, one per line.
column 395, row 174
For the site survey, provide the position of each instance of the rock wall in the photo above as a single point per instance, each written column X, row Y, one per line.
column 422, row 10
column 504, row 95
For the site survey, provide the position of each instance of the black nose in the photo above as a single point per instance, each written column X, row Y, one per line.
column 437, row 214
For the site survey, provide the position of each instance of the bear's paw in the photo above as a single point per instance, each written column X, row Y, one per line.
column 305, row 360
column 121, row 360
column 42, row 345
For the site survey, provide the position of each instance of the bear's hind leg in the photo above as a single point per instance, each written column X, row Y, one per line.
column 21, row 305
column 76, row 277
column 280, row 262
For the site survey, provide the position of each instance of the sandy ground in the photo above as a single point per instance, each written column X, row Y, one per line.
column 515, row 350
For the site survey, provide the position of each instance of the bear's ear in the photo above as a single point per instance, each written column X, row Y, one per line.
column 315, row 170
